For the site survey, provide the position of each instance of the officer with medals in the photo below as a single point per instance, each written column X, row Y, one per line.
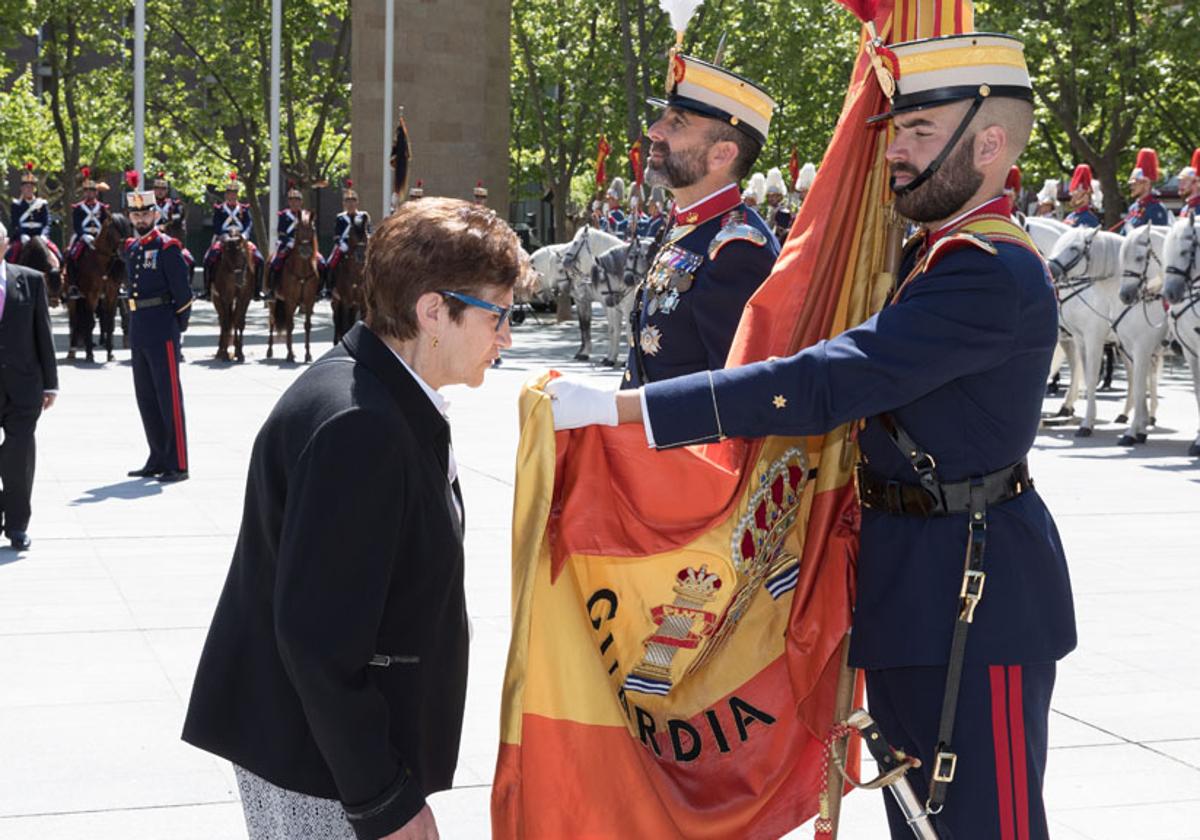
column 30, row 215
column 1147, row 207
column 160, row 302
column 230, row 218
column 949, row 376
column 1189, row 187
column 1081, row 214
column 715, row 251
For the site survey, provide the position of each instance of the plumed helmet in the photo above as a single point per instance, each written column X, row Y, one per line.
column 775, row 182
column 1049, row 192
column 1013, row 181
column 1146, row 166
column 806, row 176
column 617, row 189
column 1081, row 178
column 27, row 176
column 480, row 190
column 756, row 188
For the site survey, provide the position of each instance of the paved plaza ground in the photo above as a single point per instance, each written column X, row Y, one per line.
column 102, row 622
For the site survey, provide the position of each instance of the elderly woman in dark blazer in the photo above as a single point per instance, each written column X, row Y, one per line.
column 335, row 669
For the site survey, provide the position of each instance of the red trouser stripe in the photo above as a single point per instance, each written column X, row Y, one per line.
column 1016, row 726
column 1004, row 791
column 177, row 406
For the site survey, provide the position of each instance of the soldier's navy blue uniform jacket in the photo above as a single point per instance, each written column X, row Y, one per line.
column 156, row 270
column 653, row 225
column 714, row 256
column 342, row 225
column 87, row 217
column 235, row 219
column 616, row 222
column 1147, row 210
column 960, row 359
column 286, row 228
column 169, row 210
column 1083, row 217
column 30, row 218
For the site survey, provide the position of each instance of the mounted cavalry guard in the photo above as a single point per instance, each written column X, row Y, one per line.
column 1081, row 214
column 30, row 217
column 1147, row 208
column 715, row 251
column 417, row 191
column 170, row 210
column 350, row 217
column 1047, row 198
column 804, row 182
column 756, row 191
column 615, row 220
column 160, row 302
column 287, row 222
column 87, row 218
column 480, row 194
column 655, row 217
column 230, row 218
column 1189, row 187
column 778, row 215
column 949, row 376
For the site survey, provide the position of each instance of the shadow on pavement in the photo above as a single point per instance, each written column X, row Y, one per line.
column 134, row 488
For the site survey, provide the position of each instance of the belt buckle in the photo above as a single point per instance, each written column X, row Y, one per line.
column 944, row 767
column 971, row 593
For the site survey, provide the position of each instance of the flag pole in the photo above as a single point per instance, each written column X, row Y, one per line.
column 139, row 89
column 276, row 36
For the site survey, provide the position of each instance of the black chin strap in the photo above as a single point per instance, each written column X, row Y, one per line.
column 932, row 169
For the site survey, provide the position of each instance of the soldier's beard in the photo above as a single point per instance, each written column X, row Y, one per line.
column 945, row 193
column 676, row 170
column 143, row 228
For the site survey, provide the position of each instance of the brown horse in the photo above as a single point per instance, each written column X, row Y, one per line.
column 299, row 282
column 36, row 254
column 347, row 300
column 99, row 274
column 232, row 289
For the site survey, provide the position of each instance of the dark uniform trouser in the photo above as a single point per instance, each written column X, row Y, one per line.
column 17, row 456
column 160, row 401
column 999, row 736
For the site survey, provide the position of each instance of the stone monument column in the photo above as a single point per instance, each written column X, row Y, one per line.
column 451, row 75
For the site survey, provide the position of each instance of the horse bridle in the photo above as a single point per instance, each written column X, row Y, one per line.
column 1083, row 256
column 1143, row 295
column 570, row 260
column 1191, row 282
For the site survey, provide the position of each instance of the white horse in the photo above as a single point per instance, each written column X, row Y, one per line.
column 1045, row 232
column 547, row 263
column 1086, row 264
column 1182, row 290
column 615, row 279
column 577, row 262
column 1141, row 325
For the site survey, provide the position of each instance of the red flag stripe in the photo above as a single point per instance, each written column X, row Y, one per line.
column 177, row 407
column 1004, row 791
column 1016, row 725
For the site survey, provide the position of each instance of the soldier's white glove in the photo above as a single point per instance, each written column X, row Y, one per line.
column 577, row 402
column 344, row 247
column 88, row 238
column 24, row 238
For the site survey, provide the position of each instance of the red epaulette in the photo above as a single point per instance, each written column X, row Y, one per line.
column 129, row 242
column 170, row 242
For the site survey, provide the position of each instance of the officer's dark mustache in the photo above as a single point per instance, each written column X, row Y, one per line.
column 902, row 168
column 660, row 148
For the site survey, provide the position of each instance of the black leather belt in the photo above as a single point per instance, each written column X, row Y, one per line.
column 941, row 498
column 145, row 303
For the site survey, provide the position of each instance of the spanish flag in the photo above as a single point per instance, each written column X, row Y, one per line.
column 678, row 616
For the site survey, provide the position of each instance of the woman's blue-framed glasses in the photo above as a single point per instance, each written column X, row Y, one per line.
column 502, row 311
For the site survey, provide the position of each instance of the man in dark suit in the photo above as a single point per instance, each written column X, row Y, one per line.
column 28, row 385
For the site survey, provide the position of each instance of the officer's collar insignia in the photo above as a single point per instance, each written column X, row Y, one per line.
column 709, row 208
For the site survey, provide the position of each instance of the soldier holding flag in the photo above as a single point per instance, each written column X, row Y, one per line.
column 949, row 376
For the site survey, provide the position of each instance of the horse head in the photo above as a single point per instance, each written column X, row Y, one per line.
column 233, row 252
column 305, row 234
column 1045, row 232
column 113, row 232
column 1137, row 256
column 1182, row 259
column 1085, row 254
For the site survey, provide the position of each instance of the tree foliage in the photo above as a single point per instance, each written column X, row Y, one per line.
column 581, row 69
column 207, row 92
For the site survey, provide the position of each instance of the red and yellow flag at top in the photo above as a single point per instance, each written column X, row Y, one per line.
column 678, row 616
column 602, row 150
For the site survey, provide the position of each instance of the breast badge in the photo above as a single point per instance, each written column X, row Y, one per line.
column 673, row 273
column 651, row 340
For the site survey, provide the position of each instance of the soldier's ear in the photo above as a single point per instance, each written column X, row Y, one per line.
column 991, row 147
column 722, row 154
